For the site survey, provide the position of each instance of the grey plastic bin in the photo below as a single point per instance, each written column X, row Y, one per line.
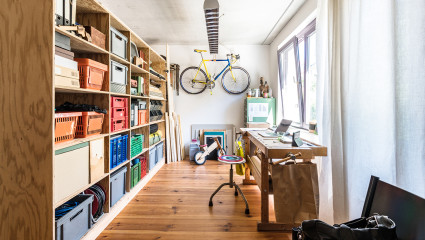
column 118, row 43
column 159, row 152
column 152, row 157
column 118, row 75
column 117, row 185
column 76, row 222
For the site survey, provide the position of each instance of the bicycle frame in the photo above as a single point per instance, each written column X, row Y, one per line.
column 229, row 65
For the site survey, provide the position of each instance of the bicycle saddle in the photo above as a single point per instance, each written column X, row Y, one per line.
column 198, row 51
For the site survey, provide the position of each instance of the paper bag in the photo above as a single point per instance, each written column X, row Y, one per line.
column 296, row 192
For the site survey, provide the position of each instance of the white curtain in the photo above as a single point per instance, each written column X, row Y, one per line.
column 371, row 106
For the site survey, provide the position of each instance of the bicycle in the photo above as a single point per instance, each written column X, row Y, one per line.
column 235, row 80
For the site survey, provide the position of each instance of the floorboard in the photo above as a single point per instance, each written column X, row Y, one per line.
column 174, row 205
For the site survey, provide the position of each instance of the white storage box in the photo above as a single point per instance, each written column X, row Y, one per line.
column 118, row 75
column 71, row 170
column 118, row 43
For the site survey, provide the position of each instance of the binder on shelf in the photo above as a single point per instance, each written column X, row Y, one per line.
column 59, row 12
column 66, row 12
column 73, row 13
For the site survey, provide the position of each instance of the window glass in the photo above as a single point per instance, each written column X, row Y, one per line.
column 311, row 80
column 289, row 87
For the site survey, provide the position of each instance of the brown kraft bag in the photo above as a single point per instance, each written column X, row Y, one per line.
column 296, row 192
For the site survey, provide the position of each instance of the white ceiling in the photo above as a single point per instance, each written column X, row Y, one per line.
column 183, row 22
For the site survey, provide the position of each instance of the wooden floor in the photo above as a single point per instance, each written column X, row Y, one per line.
column 174, row 205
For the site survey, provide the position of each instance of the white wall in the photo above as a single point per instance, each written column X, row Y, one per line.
column 300, row 20
column 220, row 107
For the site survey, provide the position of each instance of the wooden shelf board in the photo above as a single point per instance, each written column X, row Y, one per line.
column 57, row 204
column 155, row 122
column 155, row 57
column 118, row 132
column 118, row 167
column 155, row 78
column 138, row 41
column 153, row 145
column 78, row 141
column 118, row 24
column 139, row 126
column 60, row 89
column 90, row 6
column 157, row 98
column 81, row 45
column 142, row 97
column 144, row 150
column 119, row 94
column 136, row 69
column 119, row 59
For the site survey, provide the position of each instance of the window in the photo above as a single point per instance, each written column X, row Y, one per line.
column 298, row 77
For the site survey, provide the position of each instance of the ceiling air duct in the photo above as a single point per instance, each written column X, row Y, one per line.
column 211, row 19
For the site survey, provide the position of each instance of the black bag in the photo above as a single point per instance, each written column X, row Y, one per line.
column 376, row 227
column 153, row 128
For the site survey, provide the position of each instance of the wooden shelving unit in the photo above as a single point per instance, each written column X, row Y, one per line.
column 29, row 146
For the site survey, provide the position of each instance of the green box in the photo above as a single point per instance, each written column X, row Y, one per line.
column 136, row 144
column 260, row 110
column 134, row 175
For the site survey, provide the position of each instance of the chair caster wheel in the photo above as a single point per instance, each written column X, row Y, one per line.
column 236, row 194
column 247, row 211
column 210, row 204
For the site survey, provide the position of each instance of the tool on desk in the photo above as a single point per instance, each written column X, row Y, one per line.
column 289, row 157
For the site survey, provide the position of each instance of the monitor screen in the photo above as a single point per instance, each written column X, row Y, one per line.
column 405, row 209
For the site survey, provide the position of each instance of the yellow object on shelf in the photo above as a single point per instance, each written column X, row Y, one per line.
column 240, row 168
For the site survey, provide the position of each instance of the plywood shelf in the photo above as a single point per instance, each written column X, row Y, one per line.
column 80, row 45
column 118, row 167
column 118, row 132
column 78, row 90
column 136, row 69
column 157, row 98
column 120, row 60
column 139, row 97
column 78, row 141
column 144, row 151
column 139, row 126
column 155, row 57
column 153, row 145
column 119, row 94
column 155, row 78
column 155, row 122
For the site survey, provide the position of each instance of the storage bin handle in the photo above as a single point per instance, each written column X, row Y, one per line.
column 118, row 37
column 78, row 213
column 118, row 68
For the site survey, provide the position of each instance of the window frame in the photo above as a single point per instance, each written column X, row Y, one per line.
column 300, row 75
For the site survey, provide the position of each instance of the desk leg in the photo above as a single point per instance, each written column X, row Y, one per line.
column 264, row 189
column 247, row 180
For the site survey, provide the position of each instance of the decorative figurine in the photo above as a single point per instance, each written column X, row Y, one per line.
column 261, row 86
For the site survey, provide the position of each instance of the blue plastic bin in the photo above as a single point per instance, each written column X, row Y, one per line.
column 159, row 152
column 152, row 157
column 118, row 150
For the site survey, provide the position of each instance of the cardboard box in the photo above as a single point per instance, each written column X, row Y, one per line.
column 61, row 81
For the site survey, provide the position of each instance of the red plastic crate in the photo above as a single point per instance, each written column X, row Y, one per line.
column 118, row 124
column 119, row 102
column 89, row 124
column 143, row 166
column 65, row 126
column 92, row 73
column 119, row 112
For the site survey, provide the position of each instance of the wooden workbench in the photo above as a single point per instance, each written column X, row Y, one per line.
column 271, row 149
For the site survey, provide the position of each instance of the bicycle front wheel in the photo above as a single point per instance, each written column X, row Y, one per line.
column 239, row 83
column 193, row 85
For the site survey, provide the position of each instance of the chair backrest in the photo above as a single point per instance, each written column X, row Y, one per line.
column 404, row 208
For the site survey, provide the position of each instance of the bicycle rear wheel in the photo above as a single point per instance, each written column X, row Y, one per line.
column 191, row 85
column 237, row 85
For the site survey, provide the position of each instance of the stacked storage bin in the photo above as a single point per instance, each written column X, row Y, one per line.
column 152, row 158
column 159, row 152
column 136, row 144
column 117, row 185
column 118, row 73
column 119, row 113
column 155, row 110
column 143, row 166
column 118, row 150
column 74, row 218
column 134, row 172
column 92, row 73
